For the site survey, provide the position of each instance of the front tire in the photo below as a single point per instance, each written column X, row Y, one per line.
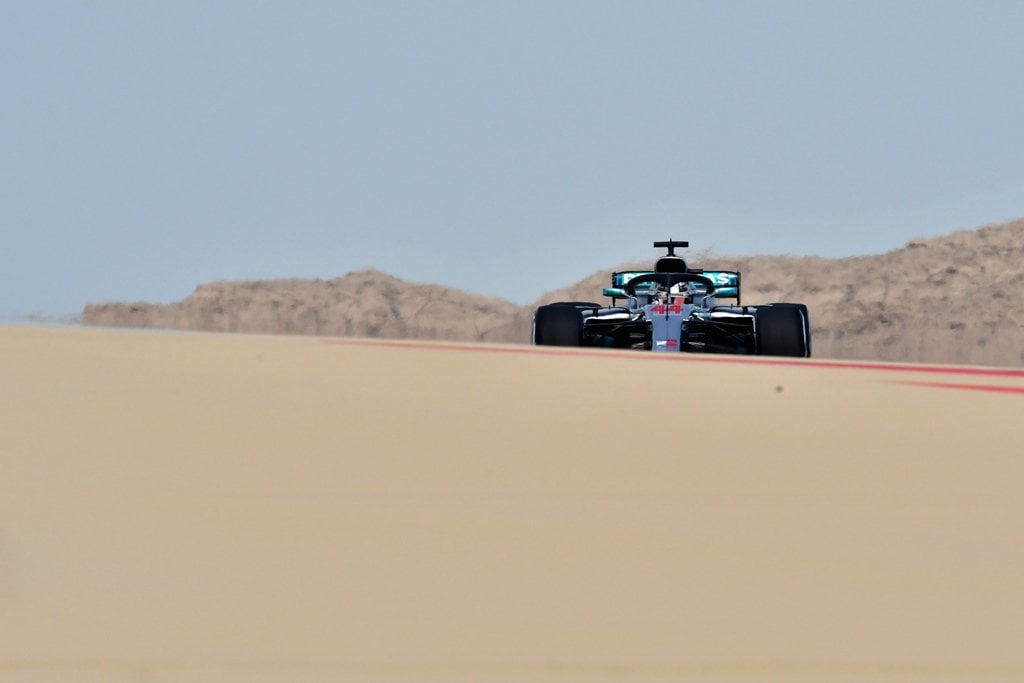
column 559, row 324
column 783, row 330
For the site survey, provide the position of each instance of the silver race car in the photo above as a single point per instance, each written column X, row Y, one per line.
column 675, row 308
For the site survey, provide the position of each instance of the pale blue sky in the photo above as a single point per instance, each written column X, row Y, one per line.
column 503, row 147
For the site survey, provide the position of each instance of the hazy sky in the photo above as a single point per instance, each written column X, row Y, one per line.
column 503, row 147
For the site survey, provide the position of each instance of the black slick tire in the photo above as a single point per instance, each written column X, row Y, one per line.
column 559, row 324
column 783, row 330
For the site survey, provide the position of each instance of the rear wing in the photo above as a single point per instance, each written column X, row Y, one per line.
column 619, row 280
column 727, row 282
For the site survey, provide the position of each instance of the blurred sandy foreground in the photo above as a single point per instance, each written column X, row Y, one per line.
column 199, row 507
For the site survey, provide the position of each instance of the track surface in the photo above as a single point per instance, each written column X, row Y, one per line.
column 192, row 507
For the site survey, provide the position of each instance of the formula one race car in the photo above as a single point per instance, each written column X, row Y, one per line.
column 675, row 308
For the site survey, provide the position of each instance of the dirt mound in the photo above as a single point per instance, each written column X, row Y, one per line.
column 366, row 303
column 952, row 299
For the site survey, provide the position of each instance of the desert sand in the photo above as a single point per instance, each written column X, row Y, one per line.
column 203, row 507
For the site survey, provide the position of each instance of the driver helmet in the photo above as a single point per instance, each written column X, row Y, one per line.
column 680, row 294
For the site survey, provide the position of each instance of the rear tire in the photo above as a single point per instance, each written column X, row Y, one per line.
column 559, row 324
column 783, row 330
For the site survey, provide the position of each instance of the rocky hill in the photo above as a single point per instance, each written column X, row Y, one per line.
column 366, row 303
column 952, row 299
